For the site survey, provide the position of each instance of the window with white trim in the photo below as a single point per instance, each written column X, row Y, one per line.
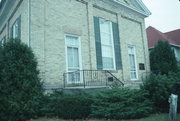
column 107, row 45
column 132, row 62
column 73, row 58
column 72, row 52
column 16, row 29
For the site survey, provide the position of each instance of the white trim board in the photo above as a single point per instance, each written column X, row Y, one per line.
column 145, row 11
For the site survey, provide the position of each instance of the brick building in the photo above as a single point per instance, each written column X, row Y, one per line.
column 81, row 43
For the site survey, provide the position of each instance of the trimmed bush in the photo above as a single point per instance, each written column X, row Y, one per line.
column 74, row 107
column 121, row 104
column 159, row 89
column 67, row 106
column 49, row 104
column 20, row 87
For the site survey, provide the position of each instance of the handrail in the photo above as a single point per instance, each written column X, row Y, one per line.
column 88, row 78
column 84, row 70
column 115, row 78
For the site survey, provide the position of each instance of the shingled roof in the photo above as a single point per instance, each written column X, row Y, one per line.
column 153, row 35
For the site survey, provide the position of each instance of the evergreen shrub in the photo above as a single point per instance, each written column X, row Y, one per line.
column 67, row 106
column 121, row 104
column 162, row 58
column 159, row 89
column 20, row 86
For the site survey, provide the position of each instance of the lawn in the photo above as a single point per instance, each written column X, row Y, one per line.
column 156, row 117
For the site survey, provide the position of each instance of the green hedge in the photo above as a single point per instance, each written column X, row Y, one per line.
column 67, row 106
column 121, row 104
column 109, row 104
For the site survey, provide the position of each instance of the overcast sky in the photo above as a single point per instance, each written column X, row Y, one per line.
column 165, row 14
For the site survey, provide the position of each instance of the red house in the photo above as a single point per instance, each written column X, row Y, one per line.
column 173, row 37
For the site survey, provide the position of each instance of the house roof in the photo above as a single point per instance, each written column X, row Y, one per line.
column 154, row 35
column 174, row 35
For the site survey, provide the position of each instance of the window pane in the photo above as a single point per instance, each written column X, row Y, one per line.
column 16, row 30
column 132, row 62
column 72, row 41
column 106, row 39
column 76, row 57
column 105, row 26
column 133, row 75
column 70, row 56
column 130, row 50
column 69, row 41
column 108, row 63
column 107, row 51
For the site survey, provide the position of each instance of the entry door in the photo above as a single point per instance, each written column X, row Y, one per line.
column 73, row 59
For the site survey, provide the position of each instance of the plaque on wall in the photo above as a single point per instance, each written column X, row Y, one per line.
column 141, row 66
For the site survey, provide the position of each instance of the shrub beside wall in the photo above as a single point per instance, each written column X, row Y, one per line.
column 20, row 87
column 121, row 104
column 109, row 104
column 67, row 106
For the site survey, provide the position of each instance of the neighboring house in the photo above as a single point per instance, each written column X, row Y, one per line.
column 173, row 37
column 85, row 43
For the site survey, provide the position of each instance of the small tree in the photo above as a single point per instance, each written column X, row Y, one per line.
column 20, row 86
column 162, row 58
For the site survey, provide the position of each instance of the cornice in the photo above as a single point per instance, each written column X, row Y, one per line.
column 145, row 11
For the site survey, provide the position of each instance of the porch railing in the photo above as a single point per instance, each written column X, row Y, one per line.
column 91, row 78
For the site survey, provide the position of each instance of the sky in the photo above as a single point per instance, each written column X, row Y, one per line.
column 165, row 14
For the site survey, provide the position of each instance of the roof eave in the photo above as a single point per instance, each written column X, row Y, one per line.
column 146, row 12
column 169, row 43
column 174, row 45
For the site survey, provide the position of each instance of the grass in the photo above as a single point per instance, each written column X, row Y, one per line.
column 156, row 117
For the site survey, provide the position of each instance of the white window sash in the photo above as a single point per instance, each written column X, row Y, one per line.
column 132, row 53
column 74, row 45
column 15, row 31
column 111, row 44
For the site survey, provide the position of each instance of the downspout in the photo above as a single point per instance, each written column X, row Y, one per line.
column 29, row 23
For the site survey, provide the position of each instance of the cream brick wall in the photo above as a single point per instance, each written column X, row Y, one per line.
column 19, row 9
column 51, row 20
column 134, row 38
